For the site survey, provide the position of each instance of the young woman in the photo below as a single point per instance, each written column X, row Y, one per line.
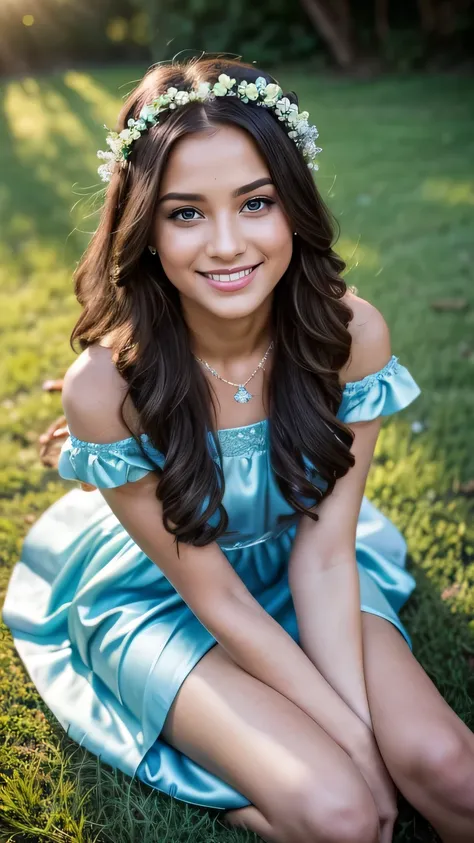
column 219, row 616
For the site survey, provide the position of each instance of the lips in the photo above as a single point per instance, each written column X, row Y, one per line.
column 229, row 275
column 230, row 281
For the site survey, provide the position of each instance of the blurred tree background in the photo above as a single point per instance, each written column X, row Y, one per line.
column 365, row 36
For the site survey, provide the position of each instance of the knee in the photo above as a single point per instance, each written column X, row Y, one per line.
column 444, row 767
column 347, row 816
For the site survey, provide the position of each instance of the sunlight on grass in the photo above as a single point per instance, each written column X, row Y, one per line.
column 449, row 192
column 38, row 117
column 104, row 107
column 357, row 253
column 46, row 132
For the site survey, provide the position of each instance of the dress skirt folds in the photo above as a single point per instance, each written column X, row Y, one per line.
column 108, row 641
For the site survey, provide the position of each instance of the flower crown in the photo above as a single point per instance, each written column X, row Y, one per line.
column 267, row 95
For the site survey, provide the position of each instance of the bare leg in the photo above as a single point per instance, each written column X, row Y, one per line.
column 254, row 820
column 428, row 750
column 301, row 785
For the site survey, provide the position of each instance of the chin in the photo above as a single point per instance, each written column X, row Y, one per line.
column 235, row 308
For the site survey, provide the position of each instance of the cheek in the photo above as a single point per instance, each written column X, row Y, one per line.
column 276, row 239
column 178, row 247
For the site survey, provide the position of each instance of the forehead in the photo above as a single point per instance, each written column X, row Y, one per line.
column 222, row 158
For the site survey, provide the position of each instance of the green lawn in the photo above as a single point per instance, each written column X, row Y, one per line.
column 397, row 170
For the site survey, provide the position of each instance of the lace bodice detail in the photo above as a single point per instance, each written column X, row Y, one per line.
column 384, row 392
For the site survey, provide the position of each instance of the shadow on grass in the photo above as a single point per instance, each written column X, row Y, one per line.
column 50, row 131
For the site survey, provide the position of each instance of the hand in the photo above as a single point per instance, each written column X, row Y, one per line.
column 370, row 763
column 53, row 385
column 51, row 441
column 50, row 446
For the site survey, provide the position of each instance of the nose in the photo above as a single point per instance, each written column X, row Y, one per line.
column 226, row 239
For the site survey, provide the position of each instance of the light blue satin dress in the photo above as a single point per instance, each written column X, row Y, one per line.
column 106, row 638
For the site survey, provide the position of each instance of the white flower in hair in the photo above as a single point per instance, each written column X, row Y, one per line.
column 241, row 91
column 282, row 107
column 259, row 92
column 147, row 113
column 162, row 103
column 272, row 94
column 226, row 81
column 251, row 92
column 219, row 90
column 138, row 124
column 301, row 128
column 292, row 115
column 105, row 171
column 181, row 98
column 202, row 91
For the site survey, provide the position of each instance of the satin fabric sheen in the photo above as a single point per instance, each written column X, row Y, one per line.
column 108, row 641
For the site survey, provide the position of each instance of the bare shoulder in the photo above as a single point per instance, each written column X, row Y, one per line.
column 371, row 348
column 92, row 396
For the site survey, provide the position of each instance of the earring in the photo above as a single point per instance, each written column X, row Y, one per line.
column 152, row 250
column 295, row 233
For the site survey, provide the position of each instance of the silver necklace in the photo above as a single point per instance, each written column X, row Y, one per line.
column 242, row 396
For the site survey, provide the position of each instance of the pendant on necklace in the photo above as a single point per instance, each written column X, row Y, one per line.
column 242, row 396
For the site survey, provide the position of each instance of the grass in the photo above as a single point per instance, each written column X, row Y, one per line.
column 397, row 171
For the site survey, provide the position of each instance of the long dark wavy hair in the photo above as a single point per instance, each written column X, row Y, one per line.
column 124, row 290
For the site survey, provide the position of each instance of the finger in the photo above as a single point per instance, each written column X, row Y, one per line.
column 53, row 385
column 61, row 431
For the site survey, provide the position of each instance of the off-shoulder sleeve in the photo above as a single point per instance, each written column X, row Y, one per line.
column 107, row 465
column 380, row 394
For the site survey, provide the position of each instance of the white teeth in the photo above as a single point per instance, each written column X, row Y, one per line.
column 233, row 276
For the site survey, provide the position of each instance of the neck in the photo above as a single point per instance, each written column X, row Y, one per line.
column 224, row 341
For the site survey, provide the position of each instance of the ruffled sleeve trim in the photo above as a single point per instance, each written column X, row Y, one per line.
column 380, row 394
column 107, row 465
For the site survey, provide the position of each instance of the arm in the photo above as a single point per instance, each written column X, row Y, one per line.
column 204, row 578
column 215, row 593
column 323, row 574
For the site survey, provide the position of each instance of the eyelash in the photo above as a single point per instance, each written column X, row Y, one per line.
column 264, row 199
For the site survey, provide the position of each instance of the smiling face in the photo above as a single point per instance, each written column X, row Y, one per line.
column 221, row 232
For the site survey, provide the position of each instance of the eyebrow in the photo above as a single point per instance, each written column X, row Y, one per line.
column 198, row 197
